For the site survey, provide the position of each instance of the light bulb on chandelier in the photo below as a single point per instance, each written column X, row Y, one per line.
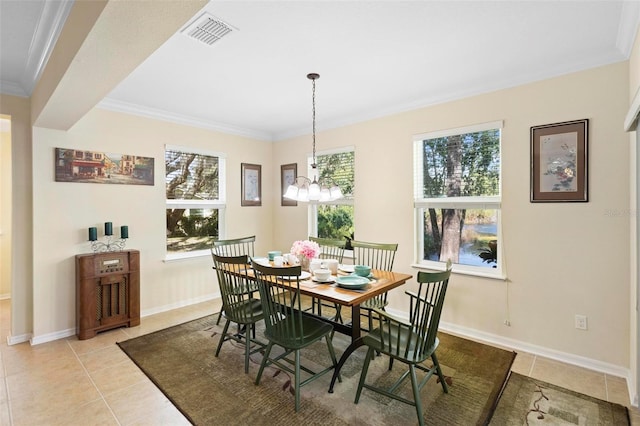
column 303, row 188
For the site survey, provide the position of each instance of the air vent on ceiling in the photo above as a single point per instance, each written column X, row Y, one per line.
column 208, row 29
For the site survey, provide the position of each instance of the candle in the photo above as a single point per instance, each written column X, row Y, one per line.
column 108, row 228
column 93, row 234
column 124, row 231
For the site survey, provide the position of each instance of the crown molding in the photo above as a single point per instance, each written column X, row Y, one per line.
column 129, row 108
column 52, row 19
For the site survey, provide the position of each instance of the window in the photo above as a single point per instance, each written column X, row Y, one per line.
column 195, row 200
column 334, row 219
column 457, row 199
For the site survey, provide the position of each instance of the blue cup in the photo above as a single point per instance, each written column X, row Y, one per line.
column 273, row 254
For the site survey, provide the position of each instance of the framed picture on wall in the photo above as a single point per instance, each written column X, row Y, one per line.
column 559, row 167
column 251, row 184
column 79, row 165
column 288, row 175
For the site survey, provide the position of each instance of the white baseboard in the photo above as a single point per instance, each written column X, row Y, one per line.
column 5, row 296
column 14, row 340
column 517, row 345
column 181, row 304
column 49, row 337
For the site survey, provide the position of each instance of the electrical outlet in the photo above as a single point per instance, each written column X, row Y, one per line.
column 581, row 322
column 507, row 323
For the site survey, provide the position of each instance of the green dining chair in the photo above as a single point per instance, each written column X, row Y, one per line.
column 329, row 249
column 240, row 307
column 410, row 342
column 378, row 256
column 287, row 326
column 233, row 247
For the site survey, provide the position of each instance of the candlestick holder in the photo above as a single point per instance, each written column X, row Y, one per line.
column 110, row 244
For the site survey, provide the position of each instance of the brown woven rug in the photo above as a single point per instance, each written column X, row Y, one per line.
column 208, row 390
column 527, row 401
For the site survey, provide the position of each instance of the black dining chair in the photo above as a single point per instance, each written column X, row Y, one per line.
column 411, row 341
column 240, row 305
column 287, row 326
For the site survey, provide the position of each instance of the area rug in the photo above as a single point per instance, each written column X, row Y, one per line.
column 527, row 401
column 208, row 390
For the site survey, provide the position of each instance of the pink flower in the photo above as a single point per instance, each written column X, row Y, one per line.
column 306, row 248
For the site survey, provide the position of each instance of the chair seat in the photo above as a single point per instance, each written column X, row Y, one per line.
column 374, row 304
column 391, row 337
column 249, row 308
column 312, row 330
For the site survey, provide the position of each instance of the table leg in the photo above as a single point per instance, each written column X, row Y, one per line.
column 356, row 342
column 355, row 322
column 352, row 347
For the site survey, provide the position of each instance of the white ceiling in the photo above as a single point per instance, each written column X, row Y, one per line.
column 374, row 57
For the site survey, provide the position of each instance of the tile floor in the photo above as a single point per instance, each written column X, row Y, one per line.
column 92, row 382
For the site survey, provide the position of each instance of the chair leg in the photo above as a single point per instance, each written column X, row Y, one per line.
column 223, row 336
column 436, row 365
column 267, row 351
column 390, row 363
column 219, row 316
column 247, row 348
column 363, row 374
column 332, row 353
column 416, row 394
column 297, row 380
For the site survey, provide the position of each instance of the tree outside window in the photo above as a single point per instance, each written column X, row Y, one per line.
column 335, row 219
column 458, row 196
column 193, row 200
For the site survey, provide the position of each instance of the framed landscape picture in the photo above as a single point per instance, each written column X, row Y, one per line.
column 559, row 167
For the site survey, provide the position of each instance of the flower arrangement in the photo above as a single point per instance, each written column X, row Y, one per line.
column 306, row 248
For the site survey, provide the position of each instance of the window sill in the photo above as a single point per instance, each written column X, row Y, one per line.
column 173, row 257
column 457, row 270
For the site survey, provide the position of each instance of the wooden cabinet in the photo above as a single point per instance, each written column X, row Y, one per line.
column 107, row 291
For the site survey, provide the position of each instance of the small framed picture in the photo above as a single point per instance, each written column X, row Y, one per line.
column 251, row 184
column 288, row 175
column 559, row 166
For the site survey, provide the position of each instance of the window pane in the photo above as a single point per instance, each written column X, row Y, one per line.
column 191, row 176
column 466, row 236
column 191, row 229
column 335, row 221
column 338, row 168
column 462, row 165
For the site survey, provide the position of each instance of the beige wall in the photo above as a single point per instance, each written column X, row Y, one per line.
column 64, row 211
column 634, row 91
column 5, row 212
column 21, row 206
column 562, row 259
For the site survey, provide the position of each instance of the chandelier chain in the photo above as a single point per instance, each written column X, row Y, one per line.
column 313, row 102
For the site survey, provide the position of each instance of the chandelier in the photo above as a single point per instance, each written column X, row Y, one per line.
column 303, row 188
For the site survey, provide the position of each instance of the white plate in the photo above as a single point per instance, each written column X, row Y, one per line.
column 329, row 280
column 303, row 276
column 346, row 268
column 262, row 261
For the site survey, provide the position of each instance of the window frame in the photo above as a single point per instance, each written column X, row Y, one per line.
column 422, row 204
column 312, row 221
column 220, row 204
